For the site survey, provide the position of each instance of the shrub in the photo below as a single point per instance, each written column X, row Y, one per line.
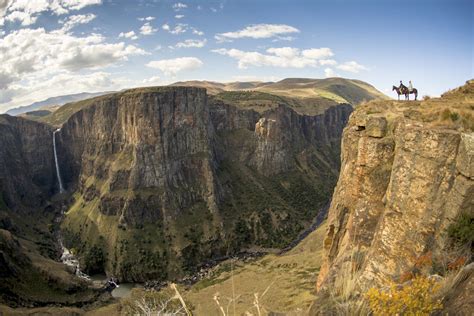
column 461, row 231
column 426, row 97
column 406, row 276
column 415, row 298
column 425, row 260
column 458, row 263
column 448, row 115
column 454, row 116
column 94, row 260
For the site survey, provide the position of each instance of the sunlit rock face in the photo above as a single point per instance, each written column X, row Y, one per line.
column 143, row 141
column 404, row 178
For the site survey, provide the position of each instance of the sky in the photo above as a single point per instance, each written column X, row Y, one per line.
column 55, row 47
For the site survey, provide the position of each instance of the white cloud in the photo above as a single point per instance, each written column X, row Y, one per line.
column 152, row 81
column 329, row 72
column 7, row 96
column 286, row 52
column 24, row 17
column 131, row 35
column 197, row 32
column 179, row 28
column 284, row 57
column 27, row 11
column 75, row 20
column 148, row 18
column 39, row 53
column 352, row 66
column 179, row 6
column 3, row 6
column 318, row 53
column 58, row 85
column 327, row 62
column 6, row 78
column 179, row 16
column 75, row 4
column 173, row 66
column 283, row 38
column 147, row 29
column 191, row 43
column 258, row 31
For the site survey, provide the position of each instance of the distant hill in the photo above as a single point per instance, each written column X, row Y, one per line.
column 54, row 101
column 304, row 95
column 340, row 90
column 35, row 114
column 214, row 87
column 262, row 101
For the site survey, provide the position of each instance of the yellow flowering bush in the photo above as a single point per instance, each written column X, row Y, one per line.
column 413, row 299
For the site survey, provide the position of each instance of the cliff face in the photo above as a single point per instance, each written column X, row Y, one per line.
column 282, row 132
column 128, row 143
column 29, row 271
column 27, row 175
column 407, row 172
column 163, row 176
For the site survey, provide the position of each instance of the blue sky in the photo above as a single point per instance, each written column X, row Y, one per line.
column 56, row 47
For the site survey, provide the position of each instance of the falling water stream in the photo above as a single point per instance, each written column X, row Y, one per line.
column 67, row 257
column 61, row 188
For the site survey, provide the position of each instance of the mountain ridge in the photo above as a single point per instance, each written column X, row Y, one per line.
column 54, row 101
column 311, row 98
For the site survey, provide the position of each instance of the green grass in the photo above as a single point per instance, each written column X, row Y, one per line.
column 262, row 101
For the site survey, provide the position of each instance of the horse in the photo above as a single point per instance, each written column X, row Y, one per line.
column 404, row 90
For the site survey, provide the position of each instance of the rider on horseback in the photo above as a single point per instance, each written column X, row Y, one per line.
column 402, row 87
column 403, row 90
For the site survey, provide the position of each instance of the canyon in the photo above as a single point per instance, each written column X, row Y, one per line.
column 153, row 182
column 158, row 181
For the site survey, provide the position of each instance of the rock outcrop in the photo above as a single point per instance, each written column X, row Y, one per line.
column 406, row 174
column 163, row 175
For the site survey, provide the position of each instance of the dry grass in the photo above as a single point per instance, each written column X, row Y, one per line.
column 454, row 110
column 283, row 283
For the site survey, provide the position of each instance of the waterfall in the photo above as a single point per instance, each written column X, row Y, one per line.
column 70, row 260
column 61, row 188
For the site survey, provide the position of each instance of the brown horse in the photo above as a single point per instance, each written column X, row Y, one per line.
column 405, row 91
